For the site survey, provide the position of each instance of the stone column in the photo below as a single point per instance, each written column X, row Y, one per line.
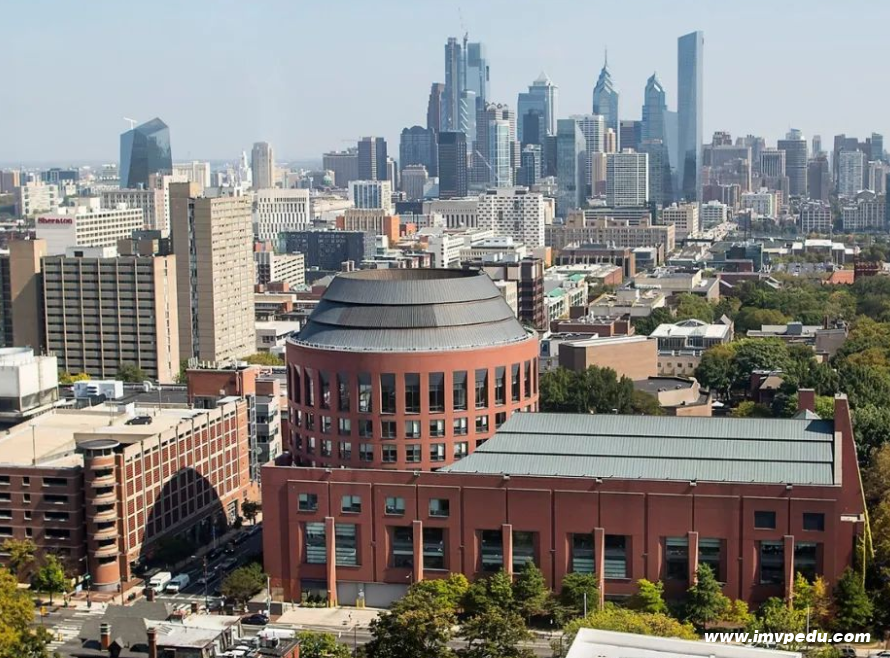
column 692, row 552
column 599, row 555
column 507, row 542
column 788, row 550
column 331, row 560
column 417, row 538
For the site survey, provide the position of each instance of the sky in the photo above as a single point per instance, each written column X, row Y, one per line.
column 310, row 76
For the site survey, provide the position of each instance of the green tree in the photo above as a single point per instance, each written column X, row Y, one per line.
column 813, row 598
column 128, row 372
column 66, row 378
column 264, row 359
column 776, row 616
column 716, row 370
column 495, row 633
column 624, row 620
column 749, row 318
column 658, row 316
column 314, row 644
column 18, row 638
column 649, row 597
column 605, row 392
column 250, row 509
column 21, row 555
column 758, row 354
column 495, row 591
column 728, row 306
column 530, row 591
column 416, row 626
column 645, row 404
column 448, row 592
column 853, row 608
column 749, row 409
column 705, row 602
column 571, row 597
column 871, row 427
column 50, row 577
column 693, row 307
column 557, row 392
column 244, row 583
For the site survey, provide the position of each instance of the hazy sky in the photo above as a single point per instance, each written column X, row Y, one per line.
column 314, row 75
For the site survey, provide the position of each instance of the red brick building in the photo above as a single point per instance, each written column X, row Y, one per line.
column 624, row 497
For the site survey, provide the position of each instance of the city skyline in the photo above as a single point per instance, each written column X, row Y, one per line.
column 223, row 107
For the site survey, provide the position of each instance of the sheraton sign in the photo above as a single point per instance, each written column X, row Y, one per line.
column 55, row 220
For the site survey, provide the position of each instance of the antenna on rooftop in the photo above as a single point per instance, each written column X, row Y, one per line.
column 132, row 122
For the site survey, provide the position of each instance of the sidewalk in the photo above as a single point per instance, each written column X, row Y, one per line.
column 336, row 619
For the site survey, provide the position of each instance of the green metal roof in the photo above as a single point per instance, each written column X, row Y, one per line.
column 796, row 451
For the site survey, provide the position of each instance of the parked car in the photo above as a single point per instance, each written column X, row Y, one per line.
column 257, row 619
column 215, row 553
column 228, row 563
column 847, row 651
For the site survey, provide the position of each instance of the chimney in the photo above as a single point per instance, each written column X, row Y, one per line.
column 806, row 400
column 152, row 643
column 105, row 636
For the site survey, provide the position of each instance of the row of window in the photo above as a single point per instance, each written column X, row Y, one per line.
column 412, row 429
column 811, row 521
column 316, row 388
column 395, row 505
column 413, row 452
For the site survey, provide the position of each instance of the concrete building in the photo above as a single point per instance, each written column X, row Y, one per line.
column 866, row 212
column 629, row 356
column 154, row 200
column 621, row 233
column 528, row 274
column 21, row 294
column 284, row 268
column 631, row 302
column 329, row 250
column 453, row 174
column 372, row 194
column 104, row 311
column 370, row 220
column 681, row 345
column 277, row 210
column 684, row 217
column 193, row 172
column 213, row 240
column 262, row 166
column 372, row 160
column 677, row 396
column 457, row 213
column 815, row 217
column 819, row 178
column 675, row 280
column 627, row 179
column 33, row 198
column 9, row 180
column 795, row 147
column 29, row 384
column 344, row 164
column 413, row 181
column 713, row 213
column 513, row 212
column 851, row 173
column 763, row 203
column 87, row 224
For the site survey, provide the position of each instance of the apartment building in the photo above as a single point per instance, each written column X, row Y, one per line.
column 513, row 212
column 284, row 268
column 277, row 210
column 88, row 224
column 370, row 220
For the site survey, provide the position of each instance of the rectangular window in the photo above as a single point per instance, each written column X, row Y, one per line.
column 765, row 520
column 481, row 424
column 366, row 428
column 461, row 448
column 366, row 452
column 346, row 544
column 387, row 429
column 440, row 507
column 345, row 450
column 459, row 390
column 528, row 380
column 343, row 391
column 523, row 548
column 324, row 388
column 296, row 376
column 814, row 521
column 309, row 387
column 437, row 452
column 434, row 548
column 365, row 398
column 395, row 505
column 437, row 392
column 805, row 560
column 310, row 421
column 710, row 551
column 500, row 418
column 310, row 445
column 327, row 447
column 387, row 393
column 616, row 556
column 344, row 426
column 482, row 389
column 325, row 424
column 314, row 543
column 412, row 393
column 389, row 454
column 412, row 453
column 772, row 562
column 492, row 550
column 437, row 428
column 582, row 553
column 500, row 385
column 515, row 384
column 308, row 502
column 402, row 547
column 351, row 504
column 676, row 558
column 459, row 426
column 412, row 429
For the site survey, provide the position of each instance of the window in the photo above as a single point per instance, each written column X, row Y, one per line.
column 500, row 418
column 514, row 382
column 310, row 445
column 366, row 429
column 387, row 393
column 327, row 447
column 351, row 504
column 365, row 401
column 805, row 560
column 772, row 562
column 412, row 393
column 813, row 521
column 344, row 450
column 500, row 385
column 314, row 543
column 523, row 548
column 528, row 379
column 459, row 426
column 389, row 454
column 437, row 392
column 434, row 548
column 402, row 547
column 481, row 389
column 309, row 387
column 437, row 452
column 582, row 553
column 366, row 452
column 387, row 429
column 481, row 424
column 343, row 391
column 346, row 544
column 412, row 429
column 295, row 388
column 437, row 428
column 765, row 520
column 710, row 552
column 325, row 424
column 324, row 389
column 460, row 449
column 395, row 505
column 676, row 558
column 344, row 426
column 440, row 507
column 459, row 390
column 616, row 556
column 310, row 421
column 412, row 453
column 308, row 502
column 492, row 550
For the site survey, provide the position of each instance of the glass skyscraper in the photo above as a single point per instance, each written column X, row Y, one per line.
column 570, row 166
column 145, row 150
column 605, row 100
column 541, row 97
column 690, row 92
column 499, row 153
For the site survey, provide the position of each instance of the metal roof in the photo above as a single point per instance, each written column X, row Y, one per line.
column 795, row 451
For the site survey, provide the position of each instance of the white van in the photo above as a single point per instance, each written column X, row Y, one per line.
column 159, row 581
column 177, row 584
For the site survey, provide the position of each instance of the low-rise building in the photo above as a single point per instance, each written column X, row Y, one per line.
column 629, row 356
column 677, row 396
column 282, row 268
column 815, row 217
column 825, row 340
column 684, row 217
column 33, row 198
column 673, row 281
column 633, row 302
column 271, row 336
column 681, row 345
column 29, row 384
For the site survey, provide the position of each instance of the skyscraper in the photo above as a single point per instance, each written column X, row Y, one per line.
column 452, row 164
column 541, row 96
column 876, row 144
column 483, row 166
column 372, row 158
column 530, row 169
column 654, row 110
column 851, row 172
column 627, row 179
column 593, row 127
column 818, row 178
column 417, row 146
column 476, row 72
column 605, row 99
column 434, row 106
column 690, row 96
column 795, row 147
column 570, row 166
column 145, row 150
column 499, row 153
column 262, row 166
column 455, row 83
column 817, row 145
column 660, row 187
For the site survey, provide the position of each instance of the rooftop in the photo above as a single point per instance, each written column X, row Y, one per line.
column 687, row 328
column 745, row 450
column 592, row 643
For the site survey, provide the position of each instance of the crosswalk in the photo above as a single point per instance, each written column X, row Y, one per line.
column 67, row 628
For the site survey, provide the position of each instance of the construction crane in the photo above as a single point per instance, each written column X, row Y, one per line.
column 132, row 122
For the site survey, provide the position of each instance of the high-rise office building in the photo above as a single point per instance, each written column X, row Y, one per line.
column 772, row 163
column 593, row 127
column 841, row 143
column 434, row 106
column 660, row 184
column 605, row 98
column 627, row 179
column 417, row 146
column 145, row 150
column 262, row 166
column 795, row 147
column 344, row 164
column 213, row 242
column 452, row 164
column 328, row 250
column 477, row 74
column 9, row 180
column 570, row 166
column 21, row 295
column 819, row 178
column 499, row 153
column 513, row 212
column 876, row 147
column 851, row 172
column 459, row 99
column 280, row 210
column 817, row 145
column 413, row 181
column 483, row 164
column 372, row 158
column 630, row 134
column 654, row 110
column 541, row 97
column 371, row 194
column 193, row 172
column 531, row 161
column 690, row 98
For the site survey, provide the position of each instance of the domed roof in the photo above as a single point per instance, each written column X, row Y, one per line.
column 411, row 310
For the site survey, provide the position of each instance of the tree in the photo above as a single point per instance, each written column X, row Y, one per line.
column 66, row 378
column 50, row 577
column 448, row 592
column 128, row 372
column 416, row 626
column 244, row 583
column 813, row 598
column 658, row 316
column 530, row 590
column 17, row 638
column 21, row 554
column 693, row 307
column 776, row 616
column 852, row 605
column 264, row 359
column 649, row 597
column 556, row 391
column 749, row 409
column 250, row 509
column 645, row 404
column 728, row 306
column 624, row 620
column 495, row 591
column 716, row 370
column 704, row 601
column 758, row 354
column 572, row 595
column 749, row 318
column 871, row 427
column 495, row 633
column 314, row 644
